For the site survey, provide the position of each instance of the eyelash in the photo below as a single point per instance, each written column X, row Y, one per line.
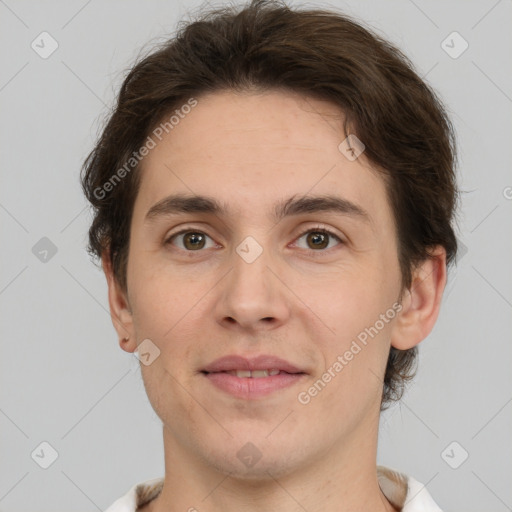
column 312, row 252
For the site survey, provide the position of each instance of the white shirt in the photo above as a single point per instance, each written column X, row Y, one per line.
column 404, row 492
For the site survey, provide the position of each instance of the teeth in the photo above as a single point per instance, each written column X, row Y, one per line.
column 241, row 373
column 254, row 374
column 261, row 373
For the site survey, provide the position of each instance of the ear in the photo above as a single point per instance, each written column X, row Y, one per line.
column 120, row 310
column 421, row 303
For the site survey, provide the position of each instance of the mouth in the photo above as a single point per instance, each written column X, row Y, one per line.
column 253, row 366
column 252, row 385
column 255, row 374
column 252, row 377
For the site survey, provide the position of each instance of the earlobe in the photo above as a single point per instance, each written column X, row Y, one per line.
column 120, row 310
column 421, row 303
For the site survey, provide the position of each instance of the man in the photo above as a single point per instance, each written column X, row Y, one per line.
column 274, row 196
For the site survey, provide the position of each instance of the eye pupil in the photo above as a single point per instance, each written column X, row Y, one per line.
column 316, row 236
column 192, row 237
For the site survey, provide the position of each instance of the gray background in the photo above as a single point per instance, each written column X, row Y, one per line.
column 64, row 379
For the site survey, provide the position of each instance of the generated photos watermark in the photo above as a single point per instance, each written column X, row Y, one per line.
column 304, row 397
column 137, row 156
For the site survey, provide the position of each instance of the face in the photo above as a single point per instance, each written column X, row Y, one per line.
column 241, row 281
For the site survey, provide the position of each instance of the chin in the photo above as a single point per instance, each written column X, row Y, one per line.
column 255, row 462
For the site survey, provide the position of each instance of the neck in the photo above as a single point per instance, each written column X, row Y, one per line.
column 342, row 479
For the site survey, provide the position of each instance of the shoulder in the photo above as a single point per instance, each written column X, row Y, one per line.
column 138, row 496
column 404, row 492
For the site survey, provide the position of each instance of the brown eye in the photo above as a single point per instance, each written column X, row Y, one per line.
column 318, row 239
column 191, row 240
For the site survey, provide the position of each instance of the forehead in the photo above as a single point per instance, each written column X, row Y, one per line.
column 251, row 151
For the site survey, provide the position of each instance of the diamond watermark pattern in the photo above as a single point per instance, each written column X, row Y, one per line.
column 44, row 250
column 351, row 147
column 454, row 455
column 44, row 45
column 454, row 45
column 249, row 454
column 44, row 455
column 147, row 352
column 462, row 250
column 249, row 250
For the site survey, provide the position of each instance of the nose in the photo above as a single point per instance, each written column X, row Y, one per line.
column 252, row 297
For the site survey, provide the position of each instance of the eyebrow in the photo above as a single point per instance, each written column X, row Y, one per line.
column 182, row 203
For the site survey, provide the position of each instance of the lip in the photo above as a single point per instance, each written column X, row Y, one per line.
column 249, row 388
column 261, row 362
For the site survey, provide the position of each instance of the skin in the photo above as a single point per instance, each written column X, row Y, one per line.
column 251, row 150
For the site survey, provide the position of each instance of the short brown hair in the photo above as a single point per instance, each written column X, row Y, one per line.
column 324, row 55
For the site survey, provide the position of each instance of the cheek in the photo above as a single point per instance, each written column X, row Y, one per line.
column 346, row 301
column 169, row 310
column 359, row 314
column 160, row 299
column 351, row 382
